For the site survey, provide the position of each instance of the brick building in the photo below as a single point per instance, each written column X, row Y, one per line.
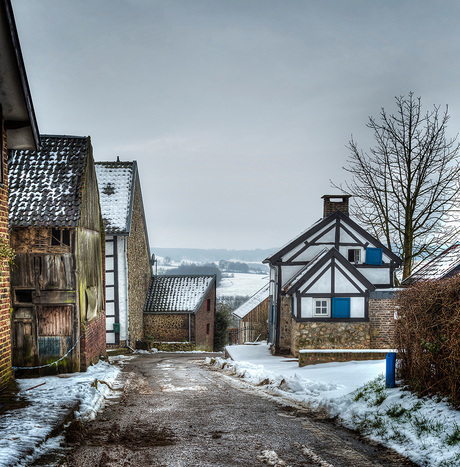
column 332, row 286
column 19, row 130
column 181, row 309
column 253, row 317
column 57, row 288
column 128, row 268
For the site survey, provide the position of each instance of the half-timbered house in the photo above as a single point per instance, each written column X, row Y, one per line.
column 19, row 130
column 57, row 233
column 322, row 284
column 128, row 269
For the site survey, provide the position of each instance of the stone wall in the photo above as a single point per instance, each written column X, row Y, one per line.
column 174, row 346
column 167, row 327
column 204, row 322
column 382, row 310
column 330, row 335
column 286, row 322
column 5, row 325
column 313, row 358
column 139, row 270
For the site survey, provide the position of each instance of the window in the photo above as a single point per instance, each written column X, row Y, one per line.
column 354, row 255
column 374, row 256
column 60, row 237
column 321, row 307
column 207, row 328
column 208, row 304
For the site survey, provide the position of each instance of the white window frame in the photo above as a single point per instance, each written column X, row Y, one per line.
column 356, row 250
column 325, row 304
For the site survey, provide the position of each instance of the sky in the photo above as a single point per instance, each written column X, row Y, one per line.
column 238, row 112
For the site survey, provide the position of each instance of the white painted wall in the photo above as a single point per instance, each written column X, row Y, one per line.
column 122, row 256
column 306, row 304
column 376, row 275
column 357, row 307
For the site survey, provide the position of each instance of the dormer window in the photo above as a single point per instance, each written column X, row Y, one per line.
column 354, row 255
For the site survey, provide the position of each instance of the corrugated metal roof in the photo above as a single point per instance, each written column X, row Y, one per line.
column 116, row 188
column 253, row 302
column 45, row 186
column 441, row 266
column 184, row 294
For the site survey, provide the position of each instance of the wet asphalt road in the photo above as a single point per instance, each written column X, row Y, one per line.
column 176, row 411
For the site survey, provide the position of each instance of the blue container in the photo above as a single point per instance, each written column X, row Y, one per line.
column 391, row 369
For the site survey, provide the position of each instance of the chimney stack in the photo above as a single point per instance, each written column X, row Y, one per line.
column 334, row 203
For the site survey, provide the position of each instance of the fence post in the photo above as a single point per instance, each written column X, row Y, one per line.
column 390, row 369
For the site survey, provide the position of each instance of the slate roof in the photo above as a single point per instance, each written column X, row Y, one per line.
column 253, row 302
column 180, row 294
column 45, row 186
column 446, row 264
column 116, row 182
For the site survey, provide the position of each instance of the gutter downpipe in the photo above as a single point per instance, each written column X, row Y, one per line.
column 189, row 327
column 278, row 312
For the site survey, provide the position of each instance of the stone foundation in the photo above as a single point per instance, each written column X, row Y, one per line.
column 329, row 335
column 313, row 358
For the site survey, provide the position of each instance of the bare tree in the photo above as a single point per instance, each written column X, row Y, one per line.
column 406, row 188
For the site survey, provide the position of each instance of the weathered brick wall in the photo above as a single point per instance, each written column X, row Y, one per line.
column 255, row 323
column 167, row 327
column 5, row 325
column 92, row 344
column 329, row 335
column 381, row 318
column 139, row 270
column 286, row 322
column 204, row 322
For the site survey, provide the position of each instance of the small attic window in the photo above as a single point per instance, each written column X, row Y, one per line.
column 354, row 255
column 60, row 237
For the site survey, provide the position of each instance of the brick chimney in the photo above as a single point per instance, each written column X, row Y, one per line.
column 334, row 203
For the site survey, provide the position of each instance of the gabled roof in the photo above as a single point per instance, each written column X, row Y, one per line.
column 254, row 301
column 317, row 226
column 322, row 259
column 446, row 264
column 45, row 186
column 116, row 181
column 16, row 100
column 177, row 294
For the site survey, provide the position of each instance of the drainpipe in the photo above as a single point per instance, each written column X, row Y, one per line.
column 189, row 327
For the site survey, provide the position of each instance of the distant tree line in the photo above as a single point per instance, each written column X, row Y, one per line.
column 197, row 269
column 238, row 266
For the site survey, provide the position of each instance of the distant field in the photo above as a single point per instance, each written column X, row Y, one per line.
column 242, row 284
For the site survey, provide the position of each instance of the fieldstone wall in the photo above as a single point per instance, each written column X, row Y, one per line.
column 330, row 335
column 167, row 327
column 382, row 308
column 286, row 323
column 139, row 270
column 174, row 346
column 312, row 358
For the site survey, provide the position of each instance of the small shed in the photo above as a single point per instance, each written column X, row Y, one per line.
column 127, row 255
column 253, row 317
column 57, row 290
column 181, row 309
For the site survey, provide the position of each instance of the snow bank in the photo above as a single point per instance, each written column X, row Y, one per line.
column 425, row 430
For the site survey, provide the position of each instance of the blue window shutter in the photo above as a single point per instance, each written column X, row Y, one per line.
column 374, row 256
column 340, row 307
column 292, row 305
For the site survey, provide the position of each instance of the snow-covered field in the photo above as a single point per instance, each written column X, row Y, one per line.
column 242, row 284
column 25, row 432
column 425, row 430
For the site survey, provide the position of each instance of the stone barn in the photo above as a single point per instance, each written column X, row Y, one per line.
column 181, row 309
column 57, row 289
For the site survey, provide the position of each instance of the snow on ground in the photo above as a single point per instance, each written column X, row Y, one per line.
column 22, row 430
column 241, row 284
column 425, row 430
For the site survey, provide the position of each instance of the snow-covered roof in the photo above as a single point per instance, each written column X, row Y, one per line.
column 45, row 186
column 254, row 301
column 180, row 294
column 443, row 265
column 116, row 191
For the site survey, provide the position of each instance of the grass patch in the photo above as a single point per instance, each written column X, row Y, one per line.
column 396, row 411
column 453, row 439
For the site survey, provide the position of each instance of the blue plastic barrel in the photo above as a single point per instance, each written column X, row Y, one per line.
column 391, row 369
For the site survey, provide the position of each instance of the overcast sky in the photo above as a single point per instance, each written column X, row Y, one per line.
column 237, row 111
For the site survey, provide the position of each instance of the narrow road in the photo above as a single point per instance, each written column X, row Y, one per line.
column 176, row 411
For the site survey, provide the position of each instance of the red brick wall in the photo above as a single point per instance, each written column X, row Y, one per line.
column 5, row 330
column 204, row 320
column 381, row 318
column 92, row 344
